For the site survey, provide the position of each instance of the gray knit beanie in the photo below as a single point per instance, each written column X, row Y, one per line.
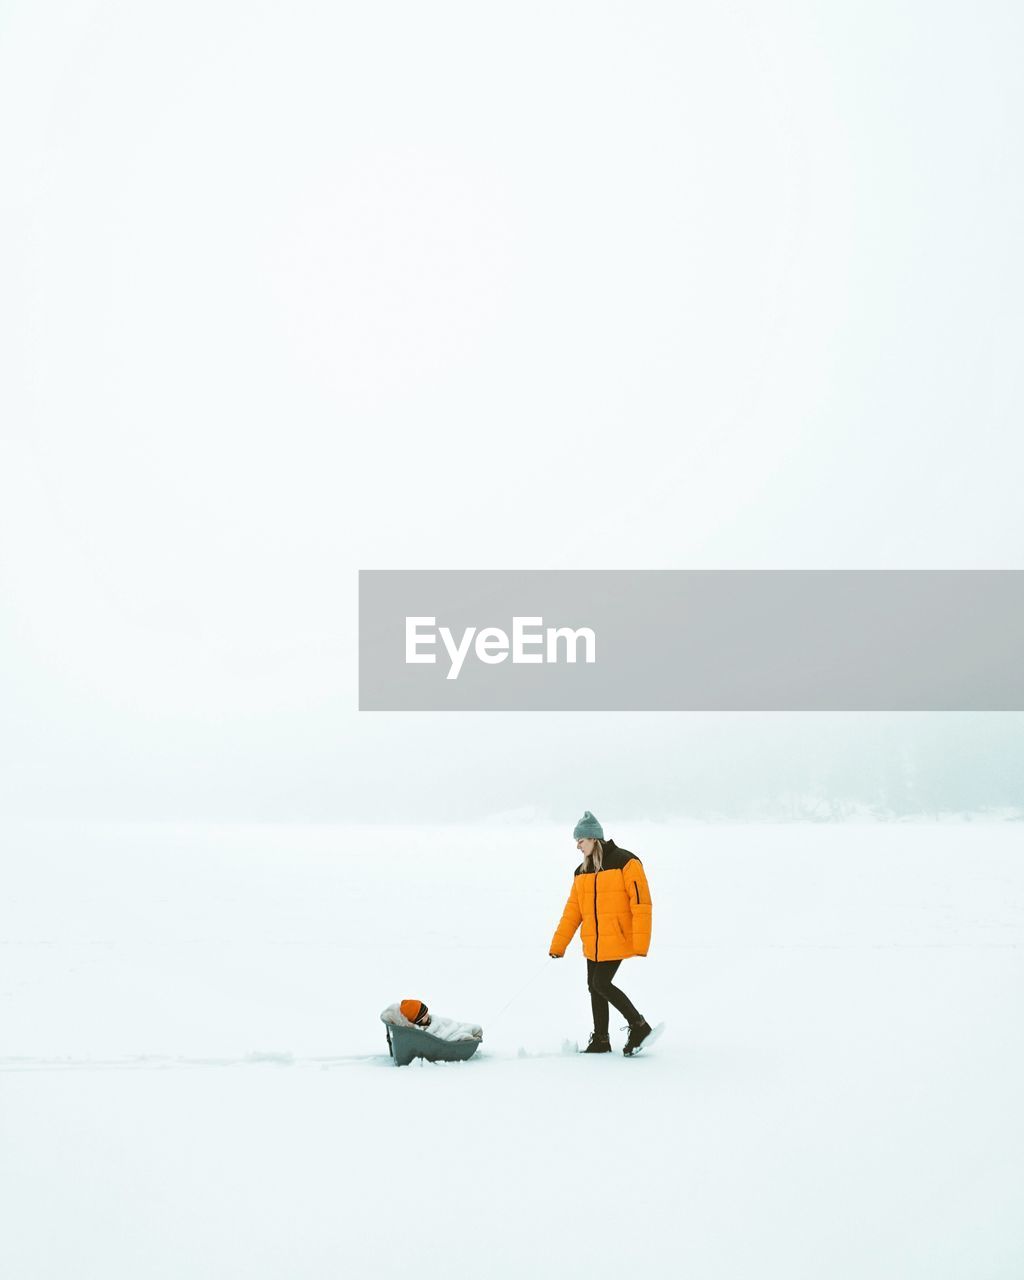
column 588, row 826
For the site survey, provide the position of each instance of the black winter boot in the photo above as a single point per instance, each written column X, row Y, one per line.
column 599, row 1043
column 638, row 1033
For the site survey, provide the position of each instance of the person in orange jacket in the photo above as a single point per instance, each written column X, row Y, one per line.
column 610, row 899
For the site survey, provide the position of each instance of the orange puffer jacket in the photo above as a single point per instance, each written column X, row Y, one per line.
column 613, row 905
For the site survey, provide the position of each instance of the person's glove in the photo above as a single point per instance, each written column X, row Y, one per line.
column 553, row 956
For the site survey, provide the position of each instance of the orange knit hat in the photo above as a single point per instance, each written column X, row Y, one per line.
column 413, row 1010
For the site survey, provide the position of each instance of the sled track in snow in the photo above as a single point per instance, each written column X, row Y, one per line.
column 166, row 1062
column 170, row 1062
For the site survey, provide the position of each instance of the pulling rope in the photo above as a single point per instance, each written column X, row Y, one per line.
column 528, row 983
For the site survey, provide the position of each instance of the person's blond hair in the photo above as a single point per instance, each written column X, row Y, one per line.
column 595, row 858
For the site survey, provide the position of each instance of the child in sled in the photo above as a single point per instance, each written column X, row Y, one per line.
column 414, row 1013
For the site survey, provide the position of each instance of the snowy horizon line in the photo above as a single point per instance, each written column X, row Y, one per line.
column 511, row 818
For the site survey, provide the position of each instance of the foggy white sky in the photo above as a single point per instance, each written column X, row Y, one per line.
column 294, row 290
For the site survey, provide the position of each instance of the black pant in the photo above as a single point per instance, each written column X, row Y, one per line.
column 599, row 984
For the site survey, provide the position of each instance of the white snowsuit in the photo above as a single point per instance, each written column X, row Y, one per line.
column 443, row 1028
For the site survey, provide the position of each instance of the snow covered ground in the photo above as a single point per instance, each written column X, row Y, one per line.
column 193, row 1080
